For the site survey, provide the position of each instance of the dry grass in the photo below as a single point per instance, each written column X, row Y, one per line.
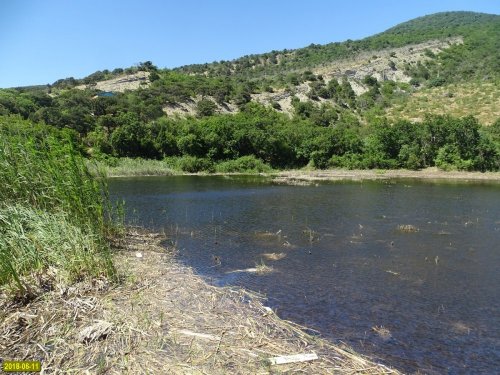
column 407, row 228
column 479, row 99
column 162, row 319
column 292, row 176
column 274, row 256
column 262, row 268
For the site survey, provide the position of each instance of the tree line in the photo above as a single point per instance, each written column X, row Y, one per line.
column 339, row 133
column 281, row 142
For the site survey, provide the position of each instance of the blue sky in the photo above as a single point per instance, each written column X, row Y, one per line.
column 45, row 40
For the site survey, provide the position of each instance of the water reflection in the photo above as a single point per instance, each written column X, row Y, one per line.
column 345, row 259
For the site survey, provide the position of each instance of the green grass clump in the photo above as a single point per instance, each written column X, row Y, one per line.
column 34, row 242
column 135, row 167
column 123, row 167
column 190, row 164
column 54, row 215
column 244, row 164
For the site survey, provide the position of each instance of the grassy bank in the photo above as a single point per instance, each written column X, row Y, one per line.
column 53, row 223
column 123, row 167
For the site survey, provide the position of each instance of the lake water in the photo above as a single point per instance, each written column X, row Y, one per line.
column 425, row 300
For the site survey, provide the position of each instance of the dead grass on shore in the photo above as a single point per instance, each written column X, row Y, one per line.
column 309, row 177
column 162, row 319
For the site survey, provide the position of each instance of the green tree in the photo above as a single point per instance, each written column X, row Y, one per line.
column 348, row 94
column 205, row 107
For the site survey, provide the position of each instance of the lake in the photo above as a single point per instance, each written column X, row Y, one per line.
column 403, row 270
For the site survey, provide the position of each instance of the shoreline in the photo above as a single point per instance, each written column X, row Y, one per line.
column 377, row 174
column 163, row 318
column 341, row 174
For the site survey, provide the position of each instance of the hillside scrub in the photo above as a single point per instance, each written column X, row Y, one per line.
column 476, row 57
column 213, row 88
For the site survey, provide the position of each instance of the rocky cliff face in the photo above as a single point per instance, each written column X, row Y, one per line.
column 384, row 64
column 121, row 84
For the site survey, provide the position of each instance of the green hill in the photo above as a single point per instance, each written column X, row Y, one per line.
column 481, row 32
column 322, row 105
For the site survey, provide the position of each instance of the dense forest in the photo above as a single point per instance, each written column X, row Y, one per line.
column 332, row 127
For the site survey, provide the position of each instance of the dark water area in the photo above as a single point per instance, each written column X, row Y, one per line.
column 427, row 300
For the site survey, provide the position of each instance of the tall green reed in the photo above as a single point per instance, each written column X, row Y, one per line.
column 45, row 185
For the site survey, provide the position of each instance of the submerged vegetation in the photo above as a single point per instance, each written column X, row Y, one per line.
column 53, row 213
column 407, row 228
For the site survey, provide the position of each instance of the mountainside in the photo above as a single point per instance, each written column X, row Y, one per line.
column 391, row 65
column 430, row 51
column 437, row 26
column 326, row 99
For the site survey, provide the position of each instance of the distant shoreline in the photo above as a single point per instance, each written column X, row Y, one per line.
column 377, row 174
column 336, row 174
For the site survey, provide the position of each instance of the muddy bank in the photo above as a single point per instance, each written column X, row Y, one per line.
column 162, row 318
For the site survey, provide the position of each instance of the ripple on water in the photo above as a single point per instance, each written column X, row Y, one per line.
column 423, row 300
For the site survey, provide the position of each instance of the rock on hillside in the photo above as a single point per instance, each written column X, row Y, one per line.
column 188, row 108
column 376, row 63
column 121, row 83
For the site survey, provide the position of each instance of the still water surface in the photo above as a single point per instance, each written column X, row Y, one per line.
column 426, row 300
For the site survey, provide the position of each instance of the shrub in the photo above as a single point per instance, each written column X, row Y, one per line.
column 415, row 82
column 448, row 158
column 276, row 105
column 205, row 107
column 348, row 160
column 436, row 82
column 429, row 53
column 192, row 164
column 409, row 157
